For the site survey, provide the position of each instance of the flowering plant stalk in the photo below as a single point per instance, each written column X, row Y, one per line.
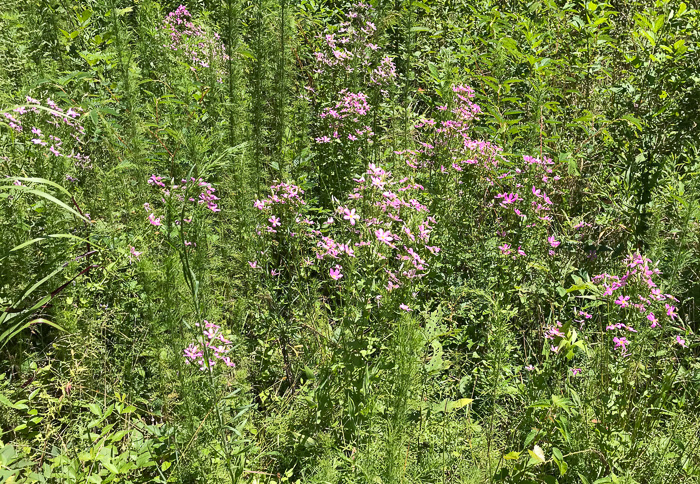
column 183, row 206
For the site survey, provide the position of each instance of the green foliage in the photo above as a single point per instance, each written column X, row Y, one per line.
column 271, row 241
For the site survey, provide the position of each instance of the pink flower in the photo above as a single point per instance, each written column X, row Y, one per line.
column 154, row 221
column 505, row 249
column 671, row 311
column 680, row 341
column 576, row 371
column 433, row 249
column 134, row 252
column 253, row 264
column 622, row 301
column 192, row 352
column 335, row 273
column 521, row 251
column 621, row 342
column 553, row 242
column 350, row 215
column 653, row 320
column 383, row 236
column 405, row 308
column 274, row 221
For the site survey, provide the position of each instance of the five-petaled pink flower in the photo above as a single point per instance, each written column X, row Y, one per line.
column 274, row 221
column 671, row 311
column 553, row 241
column 621, row 342
column 405, row 308
column 653, row 320
column 351, row 216
column 335, row 273
column 680, row 341
column 383, row 236
column 622, row 301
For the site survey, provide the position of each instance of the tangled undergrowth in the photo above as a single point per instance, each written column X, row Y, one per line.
column 325, row 242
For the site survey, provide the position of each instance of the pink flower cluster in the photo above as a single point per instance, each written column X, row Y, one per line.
column 388, row 223
column 198, row 46
column 349, row 48
column 383, row 222
column 283, row 207
column 188, row 189
column 282, row 194
column 446, row 144
column 65, row 122
column 215, row 342
column 642, row 297
column 190, row 194
column 347, row 119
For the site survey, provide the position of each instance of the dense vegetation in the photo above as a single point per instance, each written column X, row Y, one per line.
column 332, row 242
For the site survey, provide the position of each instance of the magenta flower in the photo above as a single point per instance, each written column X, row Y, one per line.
column 350, row 215
column 228, row 362
column 433, row 249
column 134, row 252
column 505, row 249
column 253, row 264
column 335, row 273
column 192, row 352
column 576, row 371
column 154, row 221
column 383, row 236
column 621, row 343
column 553, row 241
column 274, row 221
column 680, row 341
column 653, row 320
column 405, row 308
column 671, row 311
column 622, row 301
